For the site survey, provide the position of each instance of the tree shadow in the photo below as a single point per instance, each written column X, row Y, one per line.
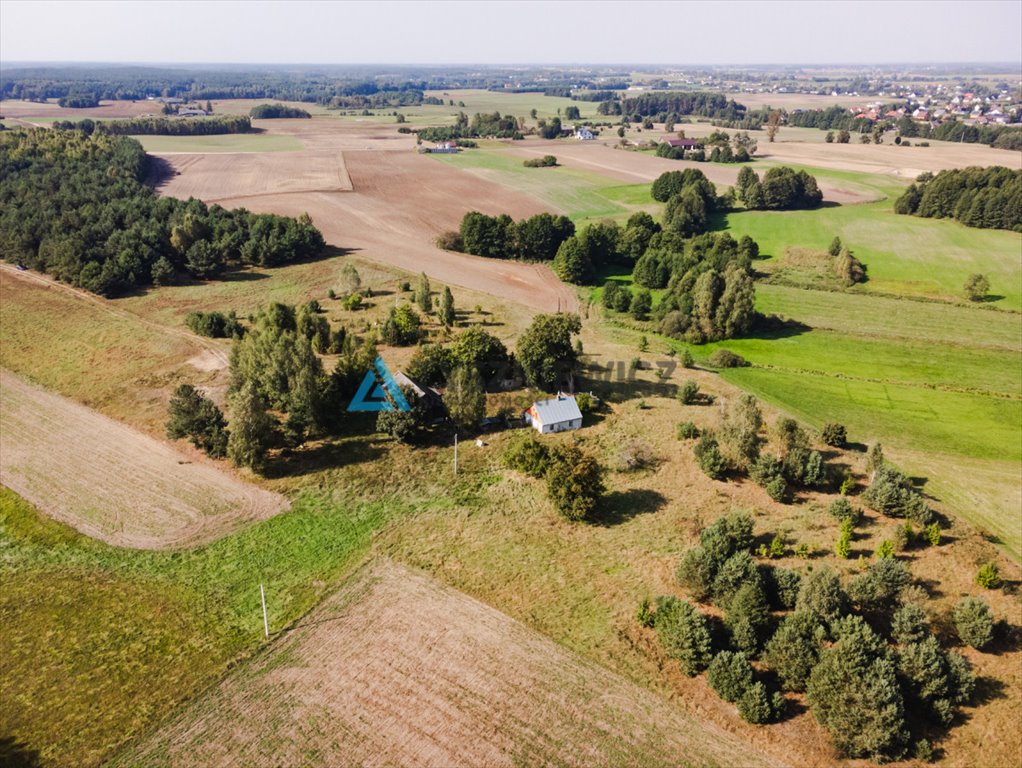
column 621, row 506
column 988, row 689
column 329, row 454
column 990, row 298
column 242, row 276
column 773, row 327
column 15, row 754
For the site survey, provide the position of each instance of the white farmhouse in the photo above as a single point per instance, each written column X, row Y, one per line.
column 558, row 414
column 584, row 134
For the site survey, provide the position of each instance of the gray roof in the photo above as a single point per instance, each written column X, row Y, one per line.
column 557, row 409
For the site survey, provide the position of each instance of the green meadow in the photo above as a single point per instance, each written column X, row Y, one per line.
column 579, row 194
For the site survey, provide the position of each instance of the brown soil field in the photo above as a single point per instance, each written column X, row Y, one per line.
column 18, row 109
column 397, row 203
column 114, row 483
column 396, row 669
column 639, row 167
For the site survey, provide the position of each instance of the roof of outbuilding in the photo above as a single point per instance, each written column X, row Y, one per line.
column 557, row 409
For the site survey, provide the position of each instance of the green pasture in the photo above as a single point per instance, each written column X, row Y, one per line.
column 579, row 194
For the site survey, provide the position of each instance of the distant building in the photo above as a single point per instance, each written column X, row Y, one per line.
column 446, row 147
column 584, row 134
column 683, row 143
column 558, row 414
column 191, row 112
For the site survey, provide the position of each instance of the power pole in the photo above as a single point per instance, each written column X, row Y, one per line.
column 266, row 623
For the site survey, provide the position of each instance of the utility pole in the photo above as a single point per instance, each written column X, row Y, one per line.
column 266, row 623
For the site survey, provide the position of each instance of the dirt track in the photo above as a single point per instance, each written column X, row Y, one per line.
column 396, row 669
column 111, row 482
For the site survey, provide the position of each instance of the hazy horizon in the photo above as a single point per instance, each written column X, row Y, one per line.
column 500, row 33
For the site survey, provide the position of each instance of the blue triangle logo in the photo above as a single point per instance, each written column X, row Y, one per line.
column 379, row 394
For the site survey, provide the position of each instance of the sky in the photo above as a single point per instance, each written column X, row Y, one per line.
column 523, row 32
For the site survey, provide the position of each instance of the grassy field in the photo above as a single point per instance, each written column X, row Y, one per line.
column 227, row 142
column 130, row 633
column 579, row 194
column 904, row 255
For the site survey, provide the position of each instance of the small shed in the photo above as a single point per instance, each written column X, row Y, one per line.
column 559, row 414
column 431, row 398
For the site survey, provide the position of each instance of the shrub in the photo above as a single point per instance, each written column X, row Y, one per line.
column 730, row 675
column 976, row 287
column 892, row 494
column 755, row 705
column 834, row 434
column 735, row 572
column 683, row 633
column 910, row 624
column 821, row 595
column 686, row 360
column 645, row 615
column 216, row 325
column 847, row 484
column 687, row 431
column 695, row 573
column 777, row 546
column 974, row 622
column 766, row 468
column 777, row 489
column 854, row 694
column 933, row 534
column 903, row 537
column 528, row 455
column 923, row 750
column 881, row 585
column 989, row 577
column 725, row 358
column 935, row 681
column 353, row 302
column 748, row 616
column 843, row 548
column 707, row 453
column 781, row 586
column 574, row 482
column 795, row 648
column 547, row 161
column 689, row 393
column 843, row 510
column 885, row 551
column 636, row 455
column 195, row 416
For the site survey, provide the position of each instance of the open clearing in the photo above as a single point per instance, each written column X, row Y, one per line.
column 396, row 669
column 114, row 483
column 229, row 143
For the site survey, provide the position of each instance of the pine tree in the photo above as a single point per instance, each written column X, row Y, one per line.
column 446, row 311
column 424, row 295
column 252, row 428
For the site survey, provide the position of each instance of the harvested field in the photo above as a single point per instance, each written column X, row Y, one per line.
column 21, row 109
column 396, row 669
column 111, row 482
column 635, row 167
column 397, row 203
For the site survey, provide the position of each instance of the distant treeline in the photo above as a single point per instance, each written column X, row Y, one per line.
column 989, row 198
column 658, row 104
column 161, row 126
column 73, row 205
column 275, row 111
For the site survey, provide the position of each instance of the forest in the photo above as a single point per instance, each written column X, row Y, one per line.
column 987, row 198
column 660, row 104
column 73, row 205
column 161, row 126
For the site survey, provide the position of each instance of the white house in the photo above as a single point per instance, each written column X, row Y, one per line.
column 558, row 414
column 584, row 134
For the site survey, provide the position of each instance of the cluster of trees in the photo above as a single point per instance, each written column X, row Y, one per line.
column 781, row 189
column 78, row 101
column 831, row 119
column 997, row 136
column 574, row 478
column 848, row 269
column 989, row 198
column 864, row 655
column 482, row 125
column 216, row 325
column 547, row 161
column 74, row 206
column 723, row 149
column 499, row 237
column 660, row 105
column 276, row 111
column 161, row 126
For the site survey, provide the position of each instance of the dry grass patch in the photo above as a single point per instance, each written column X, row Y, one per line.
column 111, row 482
column 396, row 669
